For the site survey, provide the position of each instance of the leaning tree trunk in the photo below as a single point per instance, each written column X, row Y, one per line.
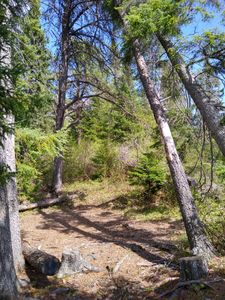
column 198, row 241
column 8, row 158
column 62, row 88
column 210, row 113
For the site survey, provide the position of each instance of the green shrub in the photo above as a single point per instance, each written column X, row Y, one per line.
column 29, row 179
column 106, row 162
column 212, row 212
column 78, row 163
column 149, row 173
column 35, row 151
column 220, row 170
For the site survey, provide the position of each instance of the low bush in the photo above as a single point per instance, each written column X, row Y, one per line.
column 106, row 162
column 78, row 164
column 149, row 173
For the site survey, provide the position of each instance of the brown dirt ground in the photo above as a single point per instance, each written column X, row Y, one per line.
column 106, row 238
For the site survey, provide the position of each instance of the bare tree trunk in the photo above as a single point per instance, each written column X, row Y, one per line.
column 8, row 161
column 57, row 175
column 62, row 88
column 8, row 158
column 8, row 279
column 8, row 288
column 210, row 113
column 196, row 234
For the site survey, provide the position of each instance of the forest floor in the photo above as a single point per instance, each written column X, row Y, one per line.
column 134, row 248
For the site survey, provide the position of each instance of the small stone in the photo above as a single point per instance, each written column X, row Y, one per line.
column 73, row 262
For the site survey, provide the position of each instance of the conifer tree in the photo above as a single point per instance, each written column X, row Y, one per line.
column 33, row 87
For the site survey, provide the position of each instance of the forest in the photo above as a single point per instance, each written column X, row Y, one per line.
column 112, row 149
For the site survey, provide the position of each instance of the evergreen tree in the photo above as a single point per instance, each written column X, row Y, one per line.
column 149, row 173
column 33, row 87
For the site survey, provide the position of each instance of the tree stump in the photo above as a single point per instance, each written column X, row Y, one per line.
column 73, row 262
column 43, row 262
column 193, row 268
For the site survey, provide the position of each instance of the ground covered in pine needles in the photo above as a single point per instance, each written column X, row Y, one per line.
column 136, row 249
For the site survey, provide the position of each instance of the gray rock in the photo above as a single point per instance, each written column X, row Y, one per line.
column 73, row 262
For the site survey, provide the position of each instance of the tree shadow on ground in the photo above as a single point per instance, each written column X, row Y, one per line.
column 137, row 199
column 134, row 203
column 139, row 241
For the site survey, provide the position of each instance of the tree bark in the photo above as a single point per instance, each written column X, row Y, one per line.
column 8, row 278
column 8, row 289
column 11, row 194
column 7, row 160
column 210, row 114
column 198, row 241
column 62, row 88
column 57, row 175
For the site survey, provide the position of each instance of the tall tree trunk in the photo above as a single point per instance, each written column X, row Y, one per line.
column 8, row 255
column 57, row 174
column 62, row 88
column 8, row 157
column 196, row 234
column 8, row 288
column 210, row 114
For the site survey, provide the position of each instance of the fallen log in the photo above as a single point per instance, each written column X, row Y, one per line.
column 43, row 203
column 41, row 261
